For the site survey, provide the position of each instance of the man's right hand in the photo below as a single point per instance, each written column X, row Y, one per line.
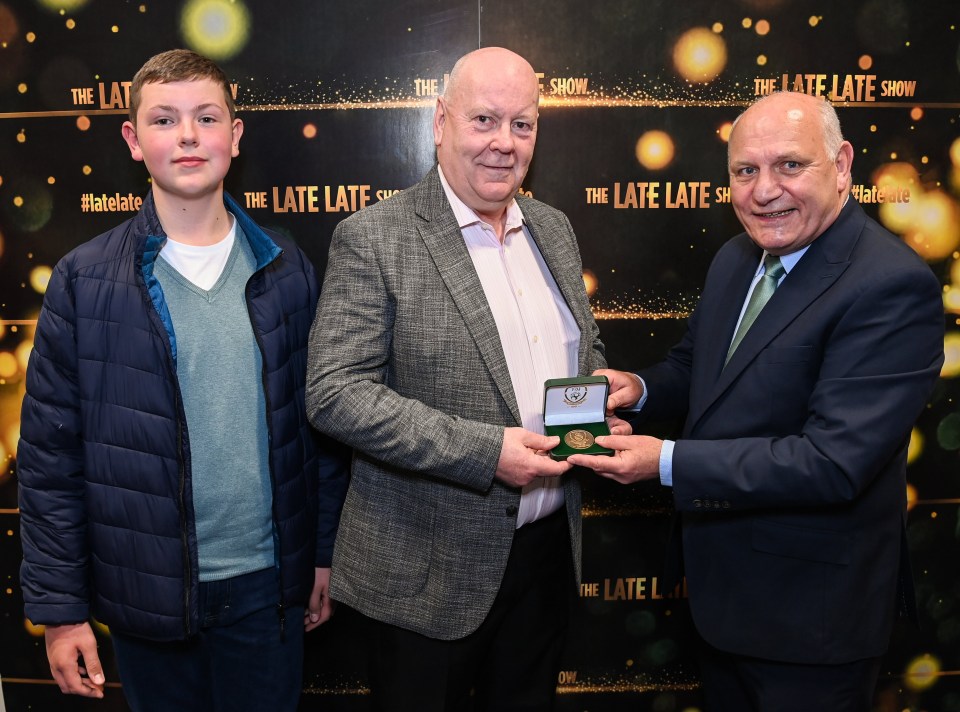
column 72, row 653
column 625, row 389
column 524, row 457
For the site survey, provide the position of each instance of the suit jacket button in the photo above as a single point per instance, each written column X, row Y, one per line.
column 512, row 510
column 726, row 504
column 697, row 503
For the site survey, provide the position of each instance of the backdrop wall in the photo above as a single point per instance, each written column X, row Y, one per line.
column 637, row 100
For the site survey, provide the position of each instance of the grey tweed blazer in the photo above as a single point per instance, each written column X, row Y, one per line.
column 406, row 367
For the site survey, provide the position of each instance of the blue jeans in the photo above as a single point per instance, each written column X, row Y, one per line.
column 238, row 661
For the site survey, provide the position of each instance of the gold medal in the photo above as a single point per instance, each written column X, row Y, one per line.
column 578, row 439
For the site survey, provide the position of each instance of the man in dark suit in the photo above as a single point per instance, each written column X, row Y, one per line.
column 444, row 309
column 789, row 476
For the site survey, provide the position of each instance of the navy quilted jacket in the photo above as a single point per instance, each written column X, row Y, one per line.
column 104, row 457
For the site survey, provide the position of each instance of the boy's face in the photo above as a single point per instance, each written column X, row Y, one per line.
column 185, row 137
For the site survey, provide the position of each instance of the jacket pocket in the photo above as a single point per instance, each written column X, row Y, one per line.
column 801, row 543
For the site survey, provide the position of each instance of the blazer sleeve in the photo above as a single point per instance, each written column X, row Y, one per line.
column 348, row 398
column 880, row 359
column 53, row 522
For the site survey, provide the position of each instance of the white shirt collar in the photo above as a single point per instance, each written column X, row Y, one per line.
column 467, row 216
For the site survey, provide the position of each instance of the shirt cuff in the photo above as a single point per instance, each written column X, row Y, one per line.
column 643, row 398
column 666, row 463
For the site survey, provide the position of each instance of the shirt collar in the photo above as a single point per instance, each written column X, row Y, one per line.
column 466, row 216
column 788, row 261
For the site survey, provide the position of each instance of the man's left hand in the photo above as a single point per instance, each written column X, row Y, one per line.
column 637, row 458
column 321, row 606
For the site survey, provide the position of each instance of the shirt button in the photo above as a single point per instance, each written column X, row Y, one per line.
column 536, row 339
column 512, row 510
column 519, row 292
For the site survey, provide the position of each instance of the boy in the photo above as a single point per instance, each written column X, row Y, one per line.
column 169, row 480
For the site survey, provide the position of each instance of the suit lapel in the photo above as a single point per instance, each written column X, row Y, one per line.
column 444, row 241
column 819, row 268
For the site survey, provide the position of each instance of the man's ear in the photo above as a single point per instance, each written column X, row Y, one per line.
column 439, row 119
column 844, row 164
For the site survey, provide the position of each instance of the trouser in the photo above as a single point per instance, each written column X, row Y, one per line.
column 238, row 661
column 511, row 662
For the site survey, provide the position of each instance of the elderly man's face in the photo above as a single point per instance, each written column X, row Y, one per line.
column 784, row 187
column 485, row 133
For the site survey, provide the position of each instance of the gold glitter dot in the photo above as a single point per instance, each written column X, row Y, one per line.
column 761, row 59
column 762, row 27
column 747, row 23
column 51, row 180
column 717, row 27
column 309, row 131
column 814, row 21
column 114, row 29
column 87, row 170
column 31, row 37
column 71, row 24
column 83, row 123
column 22, row 88
column 22, row 136
column 18, row 201
column 916, row 113
column 865, row 62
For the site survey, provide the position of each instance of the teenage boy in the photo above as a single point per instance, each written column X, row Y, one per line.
column 170, row 484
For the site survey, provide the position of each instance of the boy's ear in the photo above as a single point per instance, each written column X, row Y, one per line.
column 129, row 132
column 237, row 133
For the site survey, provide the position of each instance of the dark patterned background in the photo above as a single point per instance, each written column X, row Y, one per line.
column 331, row 98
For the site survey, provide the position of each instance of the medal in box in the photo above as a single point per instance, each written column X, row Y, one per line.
column 573, row 409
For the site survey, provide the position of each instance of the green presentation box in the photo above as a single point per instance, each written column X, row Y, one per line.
column 573, row 409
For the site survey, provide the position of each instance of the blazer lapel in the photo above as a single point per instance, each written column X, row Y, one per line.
column 566, row 272
column 444, row 241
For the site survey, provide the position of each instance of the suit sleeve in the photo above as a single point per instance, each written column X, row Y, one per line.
column 50, row 472
column 879, row 363
column 347, row 394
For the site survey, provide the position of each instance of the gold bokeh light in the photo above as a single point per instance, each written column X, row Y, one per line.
column 922, row 672
column 934, row 231
column 590, row 282
column 655, row 150
column 951, row 355
column 915, row 448
column 700, row 55
column 218, row 29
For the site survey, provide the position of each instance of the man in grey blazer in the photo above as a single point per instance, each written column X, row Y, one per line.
column 443, row 311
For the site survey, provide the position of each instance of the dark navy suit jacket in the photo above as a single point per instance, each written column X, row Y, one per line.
column 790, row 474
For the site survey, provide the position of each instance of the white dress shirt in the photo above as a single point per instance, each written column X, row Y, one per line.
column 539, row 336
